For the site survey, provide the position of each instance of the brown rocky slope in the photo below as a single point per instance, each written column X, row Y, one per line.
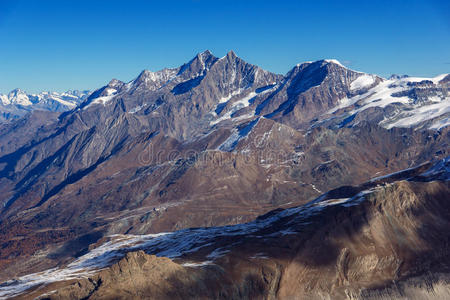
column 388, row 238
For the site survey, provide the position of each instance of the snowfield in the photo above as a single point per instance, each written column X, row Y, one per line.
column 362, row 81
column 409, row 113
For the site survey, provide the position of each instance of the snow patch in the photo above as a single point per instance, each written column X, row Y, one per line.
column 197, row 264
column 362, row 81
column 424, row 113
column 441, row 168
column 334, row 61
column 316, row 189
column 227, row 98
column 232, row 141
column 237, row 105
column 409, row 114
column 101, row 100
column 219, row 252
column 136, row 109
column 440, row 123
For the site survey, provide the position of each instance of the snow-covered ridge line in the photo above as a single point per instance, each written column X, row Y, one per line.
column 363, row 81
column 334, row 61
column 328, row 60
column 20, row 97
column 18, row 103
column 238, row 104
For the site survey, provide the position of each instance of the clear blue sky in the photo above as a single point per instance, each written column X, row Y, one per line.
column 60, row 45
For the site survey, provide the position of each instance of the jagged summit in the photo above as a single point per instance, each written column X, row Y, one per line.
column 143, row 75
column 229, row 86
column 198, row 66
column 231, row 54
column 154, row 80
column 205, row 55
column 115, row 83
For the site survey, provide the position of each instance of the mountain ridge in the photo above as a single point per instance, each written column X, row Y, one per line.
column 216, row 141
column 17, row 102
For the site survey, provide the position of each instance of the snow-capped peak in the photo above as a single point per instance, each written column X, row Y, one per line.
column 18, row 102
column 322, row 61
column 205, row 55
column 156, row 79
column 114, row 83
column 414, row 101
column 334, row 61
column 19, row 97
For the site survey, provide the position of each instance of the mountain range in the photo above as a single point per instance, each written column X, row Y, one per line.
column 18, row 103
column 220, row 142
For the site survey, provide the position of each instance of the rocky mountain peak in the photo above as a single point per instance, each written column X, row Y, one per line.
column 333, row 61
column 114, row 83
column 142, row 77
column 322, row 66
column 17, row 96
column 231, row 55
column 154, row 80
column 198, row 65
column 309, row 74
column 205, row 55
column 16, row 92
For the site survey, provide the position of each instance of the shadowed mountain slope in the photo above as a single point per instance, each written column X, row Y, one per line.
column 385, row 238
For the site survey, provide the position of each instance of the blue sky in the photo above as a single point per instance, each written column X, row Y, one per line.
column 60, row 45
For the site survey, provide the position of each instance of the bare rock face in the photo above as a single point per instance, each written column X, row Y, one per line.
column 307, row 91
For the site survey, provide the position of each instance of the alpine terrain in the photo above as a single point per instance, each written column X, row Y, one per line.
column 18, row 103
column 218, row 179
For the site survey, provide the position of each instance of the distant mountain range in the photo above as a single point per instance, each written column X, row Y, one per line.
column 17, row 103
column 214, row 142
